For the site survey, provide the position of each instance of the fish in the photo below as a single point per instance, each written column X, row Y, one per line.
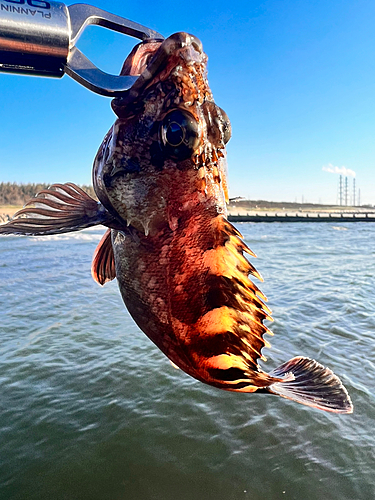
column 182, row 268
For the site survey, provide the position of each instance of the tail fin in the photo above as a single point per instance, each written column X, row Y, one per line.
column 309, row 383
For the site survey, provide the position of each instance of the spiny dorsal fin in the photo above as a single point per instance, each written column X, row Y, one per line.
column 250, row 308
column 103, row 264
column 236, row 310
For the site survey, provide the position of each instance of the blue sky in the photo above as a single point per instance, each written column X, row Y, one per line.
column 297, row 79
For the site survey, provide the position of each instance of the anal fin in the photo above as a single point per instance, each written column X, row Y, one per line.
column 308, row 382
column 103, row 263
column 61, row 208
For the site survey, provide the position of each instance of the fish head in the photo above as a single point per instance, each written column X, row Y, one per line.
column 167, row 146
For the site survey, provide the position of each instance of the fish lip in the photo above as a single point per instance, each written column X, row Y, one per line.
column 189, row 48
column 181, row 40
column 170, row 46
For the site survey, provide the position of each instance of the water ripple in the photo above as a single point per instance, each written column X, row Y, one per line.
column 90, row 409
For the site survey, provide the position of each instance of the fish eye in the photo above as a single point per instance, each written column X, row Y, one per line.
column 174, row 134
column 219, row 129
column 179, row 134
column 227, row 128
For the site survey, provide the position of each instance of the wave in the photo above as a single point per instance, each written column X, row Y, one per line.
column 89, row 234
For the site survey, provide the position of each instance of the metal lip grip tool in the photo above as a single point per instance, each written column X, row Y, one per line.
column 38, row 38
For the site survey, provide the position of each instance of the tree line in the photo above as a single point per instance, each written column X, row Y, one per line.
column 12, row 193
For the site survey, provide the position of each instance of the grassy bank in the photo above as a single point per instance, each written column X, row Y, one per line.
column 7, row 211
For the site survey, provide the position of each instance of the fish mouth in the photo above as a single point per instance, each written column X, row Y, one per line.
column 155, row 60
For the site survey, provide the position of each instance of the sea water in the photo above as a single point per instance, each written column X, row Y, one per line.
column 90, row 409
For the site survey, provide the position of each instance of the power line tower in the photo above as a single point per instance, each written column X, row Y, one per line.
column 359, row 197
column 346, row 191
column 353, row 191
column 340, row 190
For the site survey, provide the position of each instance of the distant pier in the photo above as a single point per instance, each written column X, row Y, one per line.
column 305, row 217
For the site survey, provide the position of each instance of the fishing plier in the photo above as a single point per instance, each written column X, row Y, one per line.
column 39, row 38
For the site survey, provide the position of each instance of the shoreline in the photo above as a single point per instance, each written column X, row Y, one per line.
column 267, row 214
column 305, row 217
column 8, row 211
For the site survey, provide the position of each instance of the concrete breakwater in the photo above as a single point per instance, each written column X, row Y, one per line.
column 7, row 212
column 304, row 217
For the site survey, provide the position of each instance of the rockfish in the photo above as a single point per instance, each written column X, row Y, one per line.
column 160, row 178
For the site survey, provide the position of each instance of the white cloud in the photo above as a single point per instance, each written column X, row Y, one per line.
column 347, row 172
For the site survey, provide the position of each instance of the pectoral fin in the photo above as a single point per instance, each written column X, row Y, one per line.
column 61, row 208
column 103, row 263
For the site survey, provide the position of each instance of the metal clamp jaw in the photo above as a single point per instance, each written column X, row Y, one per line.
column 38, row 38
